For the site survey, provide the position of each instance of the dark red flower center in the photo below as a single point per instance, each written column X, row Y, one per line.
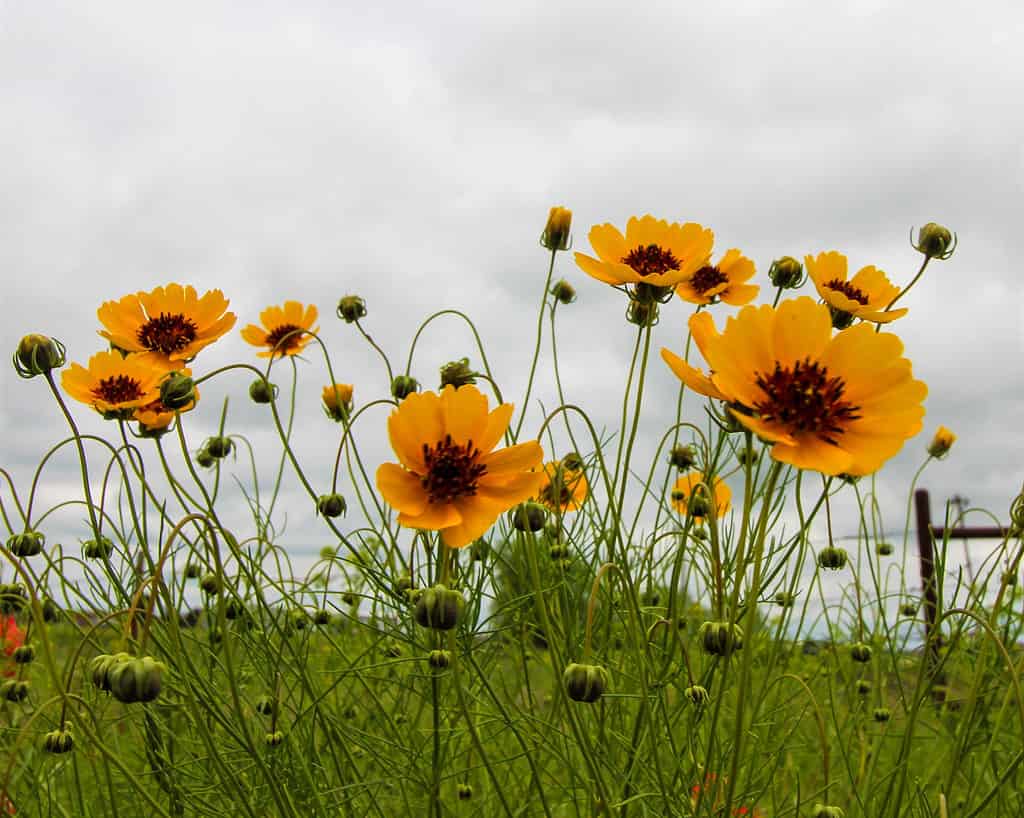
column 167, row 333
column 284, row 338
column 117, row 389
column 803, row 398
column 651, row 260
column 707, row 278
column 452, row 470
column 558, row 493
column 847, row 289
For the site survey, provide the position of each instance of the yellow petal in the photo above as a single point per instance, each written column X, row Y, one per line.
column 520, row 457
column 401, row 489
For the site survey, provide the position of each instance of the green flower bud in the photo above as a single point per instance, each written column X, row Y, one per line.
column 351, row 308
column 935, row 241
column 12, row 597
column 747, row 456
column 274, row 739
column 1009, row 578
column 884, row 549
column 479, row 549
column 563, row 292
column 58, row 741
column 465, row 792
column 528, row 516
column 37, row 355
column 458, row 373
column 402, row 386
column 51, row 613
column 99, row 549
column 699, row 533
column 559, row 551
column 262, row 391
column 204, row 458
column 860, row 652
column 908, row 609
column 585, row 683
column 234, row 608
column 321, row 617
column 832, row 559
column 863, row 687
column 697, row 695
column 823, row 811
column 24, row 654
column 100, row 667
column 650, row 599
column 331, row 505
column 136, row 680
column 786, row 273
column 193, row 570
column 266, row 705
column 27, row 544
column 298, row 619
column 219, row 447
column 14, row 691
column 683, row 458
column 211, row 584
column 393, row 649
column 784, row 599
column 177, row 391
column 439, row 659
column 720, row 638
column 439, row 608
column 642, row 313
column 882, row 714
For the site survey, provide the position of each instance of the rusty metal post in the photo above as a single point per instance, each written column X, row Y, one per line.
column 926, row 552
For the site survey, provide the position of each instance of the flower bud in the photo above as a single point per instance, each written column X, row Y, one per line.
column 563, row 292
column 572, row 462
column 266, row 705
column 747, row 456
column 1009, row 578
column 14, row 691
column 860, row 652
column 824, row 811
column 465, row 792
column 884, row 549
column 556, row 231
column 233, row 609
column 642, row 313
column 863, row 687
column 479, row 549
column 58, row 741
column 262, row 391
column 941, row 443
column 784, row 599
column 458, row 373
column 697, row 695
column 720, row 638
column 51, row 613
column 37, row 355
column 99, row 549
column 210, row 583
column 403, row 385
column 882, row 714
column 193, row 570
column 337, row 401
column 393, row 649
column 585, row 683
column 178, row 391
column 683, row 458
column 908, row 609
column 351, row 308
column 26, row 544
column 136, row 680
column 218, row 447
column 204, row 458
column 439, row 659
column 832, row 559
column 274, row 739
column 100, row 667
column 24, row 654
column 12, row 597
column 935, row 241
column 331, row 505
column 439, row 608
column 528, row 516
column 559, row 551
column 786, row 273
column 321, row 617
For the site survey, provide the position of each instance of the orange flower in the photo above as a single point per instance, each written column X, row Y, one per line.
column 694, row 482
column 448, row 478
column 172, row 322
column 286, row 330
column 563, row 488
column 11, row 637
column 115, row 384
column 724, row 282
column 865, row 296
column 337, row 400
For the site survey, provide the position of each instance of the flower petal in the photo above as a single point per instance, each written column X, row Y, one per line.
column 401, row 489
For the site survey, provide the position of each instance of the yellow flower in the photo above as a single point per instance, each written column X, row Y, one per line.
column 721, row 282
column 115, row 384
column 840, row 404
column 285, row 331
column 695, row 482
column 337, row 400
column 941, row 443
column 172, row 322
column 653, row 252
column 865, row 296
column 563, row 488
column 448, row 478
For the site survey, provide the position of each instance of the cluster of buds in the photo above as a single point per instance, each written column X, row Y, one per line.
column 585, row 683
column 26, row 544
column 720, row 638
column 439, row 608
column 37, row 355
column 127, row 678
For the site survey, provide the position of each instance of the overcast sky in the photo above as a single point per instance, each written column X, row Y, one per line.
column 409, row 153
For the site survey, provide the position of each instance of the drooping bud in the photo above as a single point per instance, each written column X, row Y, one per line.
column 563, row 292
column 100, row 667
column 98, row 549
column 825, row 811
column 136, row 680
column 683, row 458
column 908, row 609
column 528, row 516
column 439, row 659
column 720, row 638
column 204, row 458
column 331, row 505
column 585, row 683
column 860, row 652
column 24, row 654
column 642, row 313
column 882, row 714
column 351, row 308
column 458, row 373
column 178, row 391
column 262, row 391
column 266, row 705
column 935, row 241
column 697, row 695
column 58, row 741
column 786, row 273
column 218, row 446
column 556, row 231
column 37, row 355
column 274, row 739
column 465, row 792
column 403, row 385
column 884, row 549
column 211, row 583
column 14, row 691
column 832, row 558
column 26, row 544
column 439, row 608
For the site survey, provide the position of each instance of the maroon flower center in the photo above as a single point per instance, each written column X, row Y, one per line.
column 651, row 260
column 284, row 338
column 558, row 493
column 452, row 470
column 804, row 398
column 847, row 289
column 167, row 333
column 117, row 389
column 707, row 278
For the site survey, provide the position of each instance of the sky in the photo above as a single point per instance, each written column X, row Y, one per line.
column 409, row 152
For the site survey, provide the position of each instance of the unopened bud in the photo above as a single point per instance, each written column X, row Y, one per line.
column 439, row 608
column 585, row 683
column 642, row 313
column 458, row 373
column 37, row 355
column 465, row 792
column 26, row 544
column 563, row 292
column 935, row 241
column 321, row 617
column 58, row 741
column 211, row 584
column 882, row 714
column 941, row 443
column 266, row 705
column 528, row 516
column 274, row 739
column 824, row 811
column 832, row 558
column 697, row 695
column 403, row 385
column 218, row 446
column 98, row 549
column 908, row 609
column 786, row 273
column 331, row 505
column 860, row 652
column 24, row 654
column 556, row 231
column 439, row 659
column 884, row 549
column 204, row 458
column 784, row 599
column 683, row 458
column 178, row 391
column 351, row 308
column 14, row 691
column 136, row 680
column 720, row 638
column 863, row 687
column 262, row 391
